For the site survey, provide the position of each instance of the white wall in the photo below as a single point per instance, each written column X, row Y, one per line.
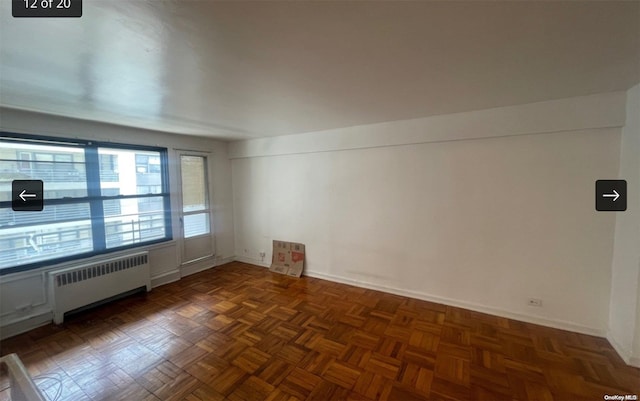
column 27, row 289
column 624, row 309
column 481, row 210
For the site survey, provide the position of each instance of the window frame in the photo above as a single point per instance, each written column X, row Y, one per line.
column 94, row 196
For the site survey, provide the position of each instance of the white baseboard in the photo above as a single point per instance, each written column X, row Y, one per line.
column 176, row 274
column 252, row 261
column 204, row 264
column 25, row 324
column 197, row 267
column 226, row 260
column 555, row 323
column 165, row 278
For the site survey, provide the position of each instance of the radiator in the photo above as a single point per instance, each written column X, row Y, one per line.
column 74, row 287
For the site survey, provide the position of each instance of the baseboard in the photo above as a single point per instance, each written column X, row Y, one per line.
column 635, row 361
column 204, row 264
column 224, row 261
column 558, row 324
column 197, row 266
column 165, row 278
column 175, row 275
column 25, row 324
column 252, row 261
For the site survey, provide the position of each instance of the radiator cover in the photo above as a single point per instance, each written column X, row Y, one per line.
column 74, row 287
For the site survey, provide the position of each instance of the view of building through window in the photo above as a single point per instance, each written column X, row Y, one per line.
column 79, row 217
column 195, row 202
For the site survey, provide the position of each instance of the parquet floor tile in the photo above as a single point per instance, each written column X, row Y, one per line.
column 239, row 332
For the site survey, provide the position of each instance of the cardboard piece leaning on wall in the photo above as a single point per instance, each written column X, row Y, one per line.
column 288, row 258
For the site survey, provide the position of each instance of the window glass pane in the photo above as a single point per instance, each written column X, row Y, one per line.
column 50, row 214
column 5, row 188
column 108, row 167
column 24, row 245
column 194, row 186
column 140, row 220
column 196, row 224
column 61, row 168
column 111, row 207
column 131, row 172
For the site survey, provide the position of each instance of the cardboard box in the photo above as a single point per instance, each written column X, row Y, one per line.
column 288, row 258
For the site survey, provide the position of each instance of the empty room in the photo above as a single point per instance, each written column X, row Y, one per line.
column 319, row 200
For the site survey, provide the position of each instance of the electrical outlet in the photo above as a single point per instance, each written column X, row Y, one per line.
column 263, row 254
column 534, row 302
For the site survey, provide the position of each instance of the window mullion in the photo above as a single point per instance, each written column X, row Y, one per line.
column 95, row 193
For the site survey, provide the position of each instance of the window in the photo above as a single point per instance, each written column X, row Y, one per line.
column 195, row 202
column 96, row 200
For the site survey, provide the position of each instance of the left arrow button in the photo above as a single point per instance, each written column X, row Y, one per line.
column 27, row 195
column 24, row 195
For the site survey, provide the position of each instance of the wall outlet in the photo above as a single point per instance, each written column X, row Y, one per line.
column 263, row 254
column 534, row 302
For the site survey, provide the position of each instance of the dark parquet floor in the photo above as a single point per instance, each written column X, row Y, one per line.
column 239, row 332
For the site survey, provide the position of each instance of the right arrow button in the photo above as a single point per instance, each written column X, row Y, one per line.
column 611, row 195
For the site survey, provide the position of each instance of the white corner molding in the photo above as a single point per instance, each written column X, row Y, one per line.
column 605, row 110
column 624, row 352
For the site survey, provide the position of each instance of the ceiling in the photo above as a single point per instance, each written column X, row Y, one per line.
column 236, row 70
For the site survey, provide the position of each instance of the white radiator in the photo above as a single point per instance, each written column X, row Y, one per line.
column 78, row 286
